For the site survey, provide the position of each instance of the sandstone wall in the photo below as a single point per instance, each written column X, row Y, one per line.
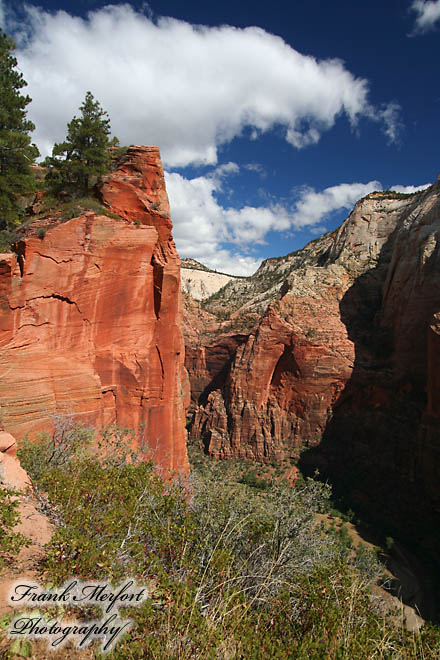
column 90, row 318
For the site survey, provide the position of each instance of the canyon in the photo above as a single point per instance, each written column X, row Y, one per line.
column 91, row 317
column 329, row 357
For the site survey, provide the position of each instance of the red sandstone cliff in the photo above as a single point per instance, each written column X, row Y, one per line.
column 90, row 318
column 282, row 381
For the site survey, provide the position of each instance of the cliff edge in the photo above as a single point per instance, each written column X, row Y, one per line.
column 91, row 317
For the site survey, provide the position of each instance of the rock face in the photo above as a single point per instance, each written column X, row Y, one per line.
column 201, row 282
column 283, row 380
column 343, row 359
column 12, row 474
column 33, row 524
column 90, row 318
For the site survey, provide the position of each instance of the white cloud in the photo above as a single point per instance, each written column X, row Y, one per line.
column 187, row 88
column 410, row 189
column 256, row 167
column 390, row 115
column 314, row 207
column 220, row 237
column 232, row 263
column 223, row 171
column 428, row 13
column 202, row 227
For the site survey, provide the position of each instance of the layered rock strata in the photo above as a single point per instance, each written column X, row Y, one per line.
column 90, row 318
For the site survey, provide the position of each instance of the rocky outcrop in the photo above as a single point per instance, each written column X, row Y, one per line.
column 343, row 362
column 12, row 474
column 90, row 318
column 32, row 523
column 209, row 364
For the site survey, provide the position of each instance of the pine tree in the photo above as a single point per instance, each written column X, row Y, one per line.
column 84, row 154
column 16, row 151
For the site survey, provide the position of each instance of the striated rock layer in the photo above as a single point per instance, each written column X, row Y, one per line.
column 342, row 362
column 90, row 318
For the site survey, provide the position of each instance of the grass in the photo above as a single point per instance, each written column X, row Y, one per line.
column 72, row 208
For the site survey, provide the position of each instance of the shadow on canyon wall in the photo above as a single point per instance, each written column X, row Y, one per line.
column 373, row 450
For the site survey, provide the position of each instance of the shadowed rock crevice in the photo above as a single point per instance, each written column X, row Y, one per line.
column 157, row 285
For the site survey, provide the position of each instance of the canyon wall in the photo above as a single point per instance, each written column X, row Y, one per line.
column 91, row 317
column 341, row 363
column 282, row 381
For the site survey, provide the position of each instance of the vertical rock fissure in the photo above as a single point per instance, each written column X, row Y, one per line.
column 157, row 285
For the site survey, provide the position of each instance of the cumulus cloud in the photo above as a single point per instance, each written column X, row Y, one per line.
column 223, row 171
column 185, row 87
column 410, row 189
column 428, row 14
column 222, row 237
column 312, row 208
column 390, row 115
column 203, row 227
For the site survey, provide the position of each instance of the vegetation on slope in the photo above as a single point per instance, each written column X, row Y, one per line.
column 11, row 541
column 235, row 571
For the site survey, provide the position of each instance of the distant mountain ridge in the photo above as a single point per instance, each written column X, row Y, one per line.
column 200, row 281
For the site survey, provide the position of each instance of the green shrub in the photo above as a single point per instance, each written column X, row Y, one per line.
column 238, row 572
column 10, row 542
column 7, row 238
column 389, row 542
column 251, row 479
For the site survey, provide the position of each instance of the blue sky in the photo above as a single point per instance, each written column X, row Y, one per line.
column 272, row 118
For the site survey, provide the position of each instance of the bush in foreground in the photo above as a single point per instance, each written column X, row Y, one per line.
column 236, row 572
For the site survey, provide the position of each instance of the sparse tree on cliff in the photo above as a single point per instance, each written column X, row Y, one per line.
column 84, row 154
column 16, row 151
